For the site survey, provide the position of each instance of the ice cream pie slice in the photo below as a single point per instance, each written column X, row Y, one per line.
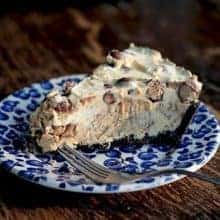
column 135, row 93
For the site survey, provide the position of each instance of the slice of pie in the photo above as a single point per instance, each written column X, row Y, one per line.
column 135, row 93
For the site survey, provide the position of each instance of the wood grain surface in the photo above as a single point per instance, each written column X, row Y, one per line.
column 36, row 45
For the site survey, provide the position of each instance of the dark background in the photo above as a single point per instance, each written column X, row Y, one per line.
column 74, row 36
column 44, row 39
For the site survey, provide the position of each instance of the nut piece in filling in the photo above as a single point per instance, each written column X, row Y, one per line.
column 135, row 93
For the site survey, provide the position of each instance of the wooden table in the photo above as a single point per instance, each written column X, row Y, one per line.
column 36, row 45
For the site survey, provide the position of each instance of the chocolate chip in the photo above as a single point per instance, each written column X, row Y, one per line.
column 38, row 133
column 133, row 92
column 63, row 106
column 68, row 86
column 115, row 54
column 108, row 86
column 109, row 98
column 123, row 82
column 111, row 64
column 147, row 81
column 155, row 90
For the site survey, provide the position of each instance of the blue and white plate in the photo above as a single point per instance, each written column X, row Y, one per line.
column 198, row 145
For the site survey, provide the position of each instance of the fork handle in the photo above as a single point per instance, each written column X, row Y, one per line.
column 201, row 176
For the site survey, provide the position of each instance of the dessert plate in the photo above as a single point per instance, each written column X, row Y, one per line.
column 198, row 145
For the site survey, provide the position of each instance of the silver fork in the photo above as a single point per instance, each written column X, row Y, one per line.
column 101, row 174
